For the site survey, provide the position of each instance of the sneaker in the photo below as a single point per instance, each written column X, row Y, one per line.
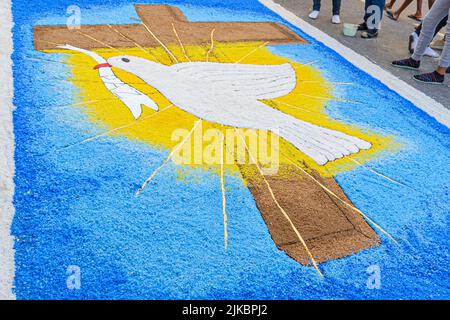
column 431, row 53
column 370, row 34
column 363, row 27
column 336, row 19
column 438, row 44
column 413, row 40
column 430, row 78
column 409, row 63
column 314, row 14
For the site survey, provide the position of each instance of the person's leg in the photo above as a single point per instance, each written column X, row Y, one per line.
column 336, row 7
column 380, row 4
column 367, row 4
column 444, row 63
column 316, row 9
column 438, row 76
column 396, row 14
column 418, row 29
column 441, row 25
column 439, row 10
column 389, row 5
column 316, row 5
column 438, row 44
column 418, row 13
column 374, row 17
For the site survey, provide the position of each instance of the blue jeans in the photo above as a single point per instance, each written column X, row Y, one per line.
column 336, row 6
column 370, row 15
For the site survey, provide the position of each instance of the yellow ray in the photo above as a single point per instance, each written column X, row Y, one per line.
column 212, row 45
column 62, row 62
column 280, row 207
column 251, row 52
column 134, row 42
column 160, row 42
column 341, row 200
column 147, row 181
column 295, row 107
column 308, row 63
column 222, row 187
column 181, row 43
column 115, row 129
column 81, row 103
column 377, row 173
column 99, row 41
column 53, row 43
column 327, row 98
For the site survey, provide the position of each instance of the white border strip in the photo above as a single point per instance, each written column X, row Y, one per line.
column 418, row 98
column 6, row 154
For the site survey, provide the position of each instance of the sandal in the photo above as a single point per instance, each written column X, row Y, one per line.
column 390, row 15
column 414, row 17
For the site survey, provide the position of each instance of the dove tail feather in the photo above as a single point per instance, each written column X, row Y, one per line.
column 321, row 144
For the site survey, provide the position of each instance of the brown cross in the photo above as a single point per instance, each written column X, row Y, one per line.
column 162, row 21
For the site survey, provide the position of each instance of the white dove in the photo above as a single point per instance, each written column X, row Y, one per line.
column 229, row 94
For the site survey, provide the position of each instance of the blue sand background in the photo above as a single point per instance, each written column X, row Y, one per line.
column 76, row 206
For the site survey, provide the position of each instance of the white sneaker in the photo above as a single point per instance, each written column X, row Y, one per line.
column 336, row 19
column 431, row 53
column 413, row 40
column 314, row 14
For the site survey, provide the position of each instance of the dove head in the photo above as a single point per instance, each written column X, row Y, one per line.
column 134, row 65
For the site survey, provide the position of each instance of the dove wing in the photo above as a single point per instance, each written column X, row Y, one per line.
column 257, row 81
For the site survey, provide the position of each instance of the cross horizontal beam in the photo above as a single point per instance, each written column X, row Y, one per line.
column 159, row 19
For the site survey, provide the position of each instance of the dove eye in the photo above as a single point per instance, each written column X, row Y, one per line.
column 125, row 60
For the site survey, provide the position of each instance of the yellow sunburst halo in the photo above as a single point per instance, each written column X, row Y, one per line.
column 306, row 102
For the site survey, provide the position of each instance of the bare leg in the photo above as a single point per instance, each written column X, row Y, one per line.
column 405, row 5
column 441, row 70
column 418, row 13
column 389, row 5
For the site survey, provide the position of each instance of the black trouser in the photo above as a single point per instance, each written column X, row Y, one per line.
column 441, row 24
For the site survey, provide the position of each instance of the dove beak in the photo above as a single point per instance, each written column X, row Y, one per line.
column 102, row 65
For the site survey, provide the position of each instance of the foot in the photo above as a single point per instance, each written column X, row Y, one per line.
column 363, row 27
column 391, row 15
column 336, row 19
column 430, row 78
column 415, row 17
column 431, row 53
column 370, row 34
column 314, row 14
column 409, row 63
column 438, row 44
column 413, row 40
column 448, row 70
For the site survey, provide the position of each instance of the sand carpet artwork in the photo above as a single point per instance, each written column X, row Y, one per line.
column 194, row 149
column 229, row 92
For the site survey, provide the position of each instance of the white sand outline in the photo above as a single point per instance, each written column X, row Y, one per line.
column 417, row 97
column 6, row 155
